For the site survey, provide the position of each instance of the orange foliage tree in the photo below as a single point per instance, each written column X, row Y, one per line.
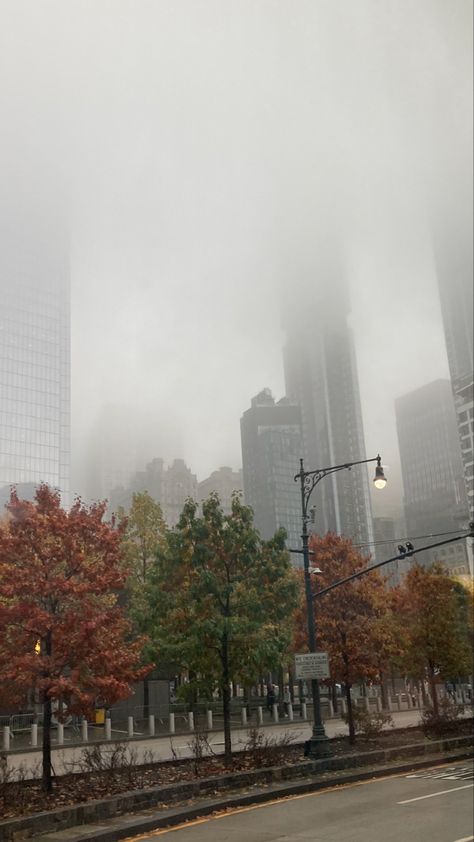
column 64, row 635
column 434, row 613
column 352, row 621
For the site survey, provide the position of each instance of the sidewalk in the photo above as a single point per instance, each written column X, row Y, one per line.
column 150, row 749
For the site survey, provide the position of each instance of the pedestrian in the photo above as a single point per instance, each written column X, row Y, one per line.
column 270, row 696
column 286, row 700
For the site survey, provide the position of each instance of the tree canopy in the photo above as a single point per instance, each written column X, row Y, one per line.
column 64, row 634
column 220, row 599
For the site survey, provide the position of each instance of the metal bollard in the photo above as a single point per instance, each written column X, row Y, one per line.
column 84, row 731
column 60, row 733
column 290, row 712
column 209, row 720
column 6, row 738
column 259, row 715
column 172, row 723
column 191, row 720
column 34, row 734
column 303, row 710
column 275, row 713
column 151, row 725
column 244, row 716
column 108, row 728
column 130, row 726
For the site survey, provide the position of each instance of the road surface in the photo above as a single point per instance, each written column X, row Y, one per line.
column 433, row 805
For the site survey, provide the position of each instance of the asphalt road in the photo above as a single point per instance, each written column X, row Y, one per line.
column 433, row 805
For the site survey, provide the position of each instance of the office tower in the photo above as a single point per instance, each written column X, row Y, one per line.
column 321, row 377
column 454, row 267
column 271, row 438
column 224, row 482
column 434, row 491
column 34, row 351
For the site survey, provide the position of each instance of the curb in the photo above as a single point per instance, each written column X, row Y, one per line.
column 138, row 811
column 126, row 826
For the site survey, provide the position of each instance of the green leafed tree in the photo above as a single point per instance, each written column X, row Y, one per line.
column 143, row 538
column 220, row 599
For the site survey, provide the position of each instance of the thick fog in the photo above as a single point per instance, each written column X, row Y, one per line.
column 198, row 150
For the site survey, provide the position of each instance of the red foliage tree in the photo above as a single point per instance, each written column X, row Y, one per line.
column 63, row 633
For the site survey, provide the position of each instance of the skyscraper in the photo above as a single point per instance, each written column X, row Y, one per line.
column 454, row 267
column 434, row 492
column 271, row 447
column 321, row 377
column 34, row 352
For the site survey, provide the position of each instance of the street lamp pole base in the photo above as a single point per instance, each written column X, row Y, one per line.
column 319, row 744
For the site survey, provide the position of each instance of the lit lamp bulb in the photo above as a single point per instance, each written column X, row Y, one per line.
column 380, row 480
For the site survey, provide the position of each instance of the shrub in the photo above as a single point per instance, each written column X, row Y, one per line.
column 369, row 724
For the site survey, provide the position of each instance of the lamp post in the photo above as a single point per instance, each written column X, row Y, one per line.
column 318, row 744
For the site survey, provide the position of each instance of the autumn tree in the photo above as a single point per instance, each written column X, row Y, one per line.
column 433, row 612
column 143, row 537
column 350, row 620
column 221, row 599
column 64, row 635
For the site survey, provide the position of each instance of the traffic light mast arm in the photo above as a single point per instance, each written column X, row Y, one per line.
column 407, row 554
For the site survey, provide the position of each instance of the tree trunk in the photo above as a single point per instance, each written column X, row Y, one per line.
column 350, row 714
column 47, row 780
column 383, row 691
column 433, row 689
column 226, row 700
column 281, row 706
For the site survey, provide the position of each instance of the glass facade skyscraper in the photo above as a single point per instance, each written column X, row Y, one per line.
column 271, row 448
column 34, row 356
column 321, row 377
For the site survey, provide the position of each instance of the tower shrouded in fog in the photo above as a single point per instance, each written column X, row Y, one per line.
column 34, row 352
column 321, row 376
column 453, row 246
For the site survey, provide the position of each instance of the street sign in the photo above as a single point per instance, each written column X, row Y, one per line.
column 312, row 665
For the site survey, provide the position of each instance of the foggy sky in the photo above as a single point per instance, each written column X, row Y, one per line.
column 196, row 147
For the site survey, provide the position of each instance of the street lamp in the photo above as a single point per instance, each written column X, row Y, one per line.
column 318, row 744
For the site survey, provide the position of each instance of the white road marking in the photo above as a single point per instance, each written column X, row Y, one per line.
column 465, row 839
column 435, row 794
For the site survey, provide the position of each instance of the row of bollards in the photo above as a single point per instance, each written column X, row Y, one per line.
column 394, row 704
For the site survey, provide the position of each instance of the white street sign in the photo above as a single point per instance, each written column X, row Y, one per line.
column 312, row 665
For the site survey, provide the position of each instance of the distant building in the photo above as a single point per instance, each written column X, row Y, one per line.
column 385, row 539
column 34, row 350
column 170, row 487
column 225, row 482
column 321, row 377
column 434, row 491
column 179, row 484
column 272, row 444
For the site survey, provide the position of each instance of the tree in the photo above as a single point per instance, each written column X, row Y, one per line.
column 350, row 619
column 63, row 633
column 433, row 612
column 143, row 537
column 220, row 599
